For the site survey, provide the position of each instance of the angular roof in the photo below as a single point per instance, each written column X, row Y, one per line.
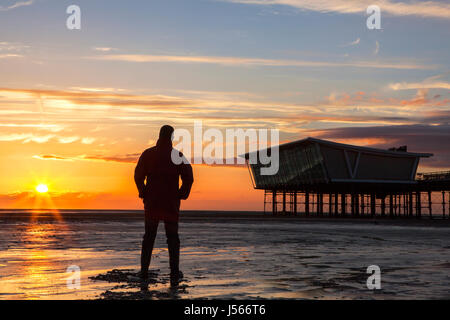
column 347, row 147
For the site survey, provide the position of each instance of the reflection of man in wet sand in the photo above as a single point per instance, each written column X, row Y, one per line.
column 157, row 179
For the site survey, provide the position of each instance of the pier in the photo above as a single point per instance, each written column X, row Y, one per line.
column 324, row 178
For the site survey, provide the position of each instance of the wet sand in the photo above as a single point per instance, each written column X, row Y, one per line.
column 224, row 255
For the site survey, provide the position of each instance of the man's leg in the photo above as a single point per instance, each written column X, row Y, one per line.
column 173, row 243
column 151, row 228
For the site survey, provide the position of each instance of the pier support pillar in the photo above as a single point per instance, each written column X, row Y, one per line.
column 295, row 202
column 343, row 204
column 391, row 205
column 307, row 203
column 352, row 203
column 357, row 204
column 330, row 204
column 372, row 204
column 274, row 202
column 443, row 204
column 320, row 203
column 418, row 205
column 410, row 203
column 336, row 204
column 429, row 204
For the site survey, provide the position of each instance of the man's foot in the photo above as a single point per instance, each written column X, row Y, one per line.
column 139, row 277
column 175, row 278
column 143, row 275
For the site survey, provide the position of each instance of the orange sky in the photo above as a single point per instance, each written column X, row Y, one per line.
column 84, row 144
column 109, row 185
column 77, row 107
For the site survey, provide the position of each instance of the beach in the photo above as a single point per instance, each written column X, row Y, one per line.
column 224, row 255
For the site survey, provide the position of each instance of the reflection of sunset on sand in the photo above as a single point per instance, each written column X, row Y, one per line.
column 311, row 259
column 106, row 91
column 37, row 268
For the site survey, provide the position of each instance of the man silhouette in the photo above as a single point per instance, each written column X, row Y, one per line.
column 157, row 180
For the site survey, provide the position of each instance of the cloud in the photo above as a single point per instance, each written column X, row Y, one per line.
column 421, row 98
column 25, row 137
column 346, row 98
column 52, row 157
column 97, row 89
column 104, row 49
column 428, row 9
column 364, row 100
column 31, row 137
column 433, row 82
column 131, row 158
column 241, row 61
column 98, row 98
column 377, row 48
column 127, row 158
column 353, row 43
column 10, row 55
column 40, row 126
column 12, row 46
column 419, row 85
column 88, row 140
column 66, row 140
column 419, row 138
column 16, row 5
column 84, row 110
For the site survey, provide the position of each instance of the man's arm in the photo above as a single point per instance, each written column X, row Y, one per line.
column 187, row 179
column 139, row 175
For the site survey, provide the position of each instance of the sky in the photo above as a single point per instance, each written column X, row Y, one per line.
column 77, row 107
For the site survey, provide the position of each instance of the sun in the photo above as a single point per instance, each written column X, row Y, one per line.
column 42, row 188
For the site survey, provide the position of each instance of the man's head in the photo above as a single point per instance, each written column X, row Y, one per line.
column 165, row 133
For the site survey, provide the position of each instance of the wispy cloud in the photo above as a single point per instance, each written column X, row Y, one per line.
column 26, row 137
column 430, row 9
column 377, row 48
column 10, row 55
column 127, row 158
column 97, row 89
column 88, row 140
column 104, row 49
column 439, row 81
column 12, row 46
column 80, row 111
column 66, row 140
column 38, row 138
column 97, row 98
column 40, row 126
column 419, row 85
column 241, row 61
column 16, row 5
column 143, row 109
column 52, row 157
column 353, row 43
column 132, row 158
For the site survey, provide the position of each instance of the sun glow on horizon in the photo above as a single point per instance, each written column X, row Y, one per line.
column 42, row 188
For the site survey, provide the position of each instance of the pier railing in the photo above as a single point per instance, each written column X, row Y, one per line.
column 434, row 176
